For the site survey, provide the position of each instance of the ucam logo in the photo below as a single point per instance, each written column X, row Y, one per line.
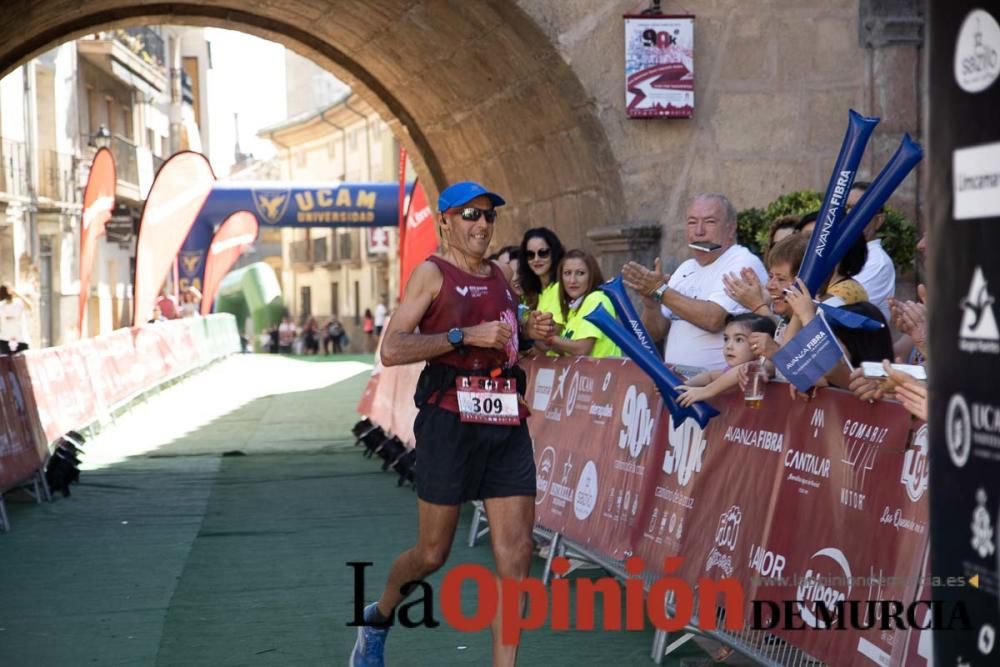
column 637, row 422
column 544, row 381
column 915, row 469
column 978, row 332
column 582, row 387
column 826, row 582
column 687, row 447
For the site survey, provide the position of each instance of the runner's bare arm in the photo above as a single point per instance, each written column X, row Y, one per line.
column 400, row 345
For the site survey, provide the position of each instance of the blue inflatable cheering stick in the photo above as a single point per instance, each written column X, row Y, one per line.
column 899, row 166
column 664, row 379
column 816, row 265
column 615, row 289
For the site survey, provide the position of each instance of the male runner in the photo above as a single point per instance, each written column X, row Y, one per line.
column 460, row 315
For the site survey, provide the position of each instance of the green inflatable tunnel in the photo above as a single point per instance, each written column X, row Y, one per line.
column 253, row 292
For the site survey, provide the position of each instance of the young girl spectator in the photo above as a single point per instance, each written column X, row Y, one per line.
column 538, row 265
column 368, row 326
column 736, row 350
column 579, row 277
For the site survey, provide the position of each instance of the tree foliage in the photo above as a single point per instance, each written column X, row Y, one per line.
column 899, row 235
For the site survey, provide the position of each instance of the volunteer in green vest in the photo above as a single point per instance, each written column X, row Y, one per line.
column 579, row 278
column 541, row 252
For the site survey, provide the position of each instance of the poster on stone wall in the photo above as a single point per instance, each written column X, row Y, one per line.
column 964, row 204
column 659, row 66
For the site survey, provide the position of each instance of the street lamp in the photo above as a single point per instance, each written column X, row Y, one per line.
column 101, row 138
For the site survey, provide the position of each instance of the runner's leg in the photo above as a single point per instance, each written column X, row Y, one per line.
column 511, row 520
column 435, row 534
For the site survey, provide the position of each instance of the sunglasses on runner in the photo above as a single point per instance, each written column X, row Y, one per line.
column 542, row 254
column 472, row 214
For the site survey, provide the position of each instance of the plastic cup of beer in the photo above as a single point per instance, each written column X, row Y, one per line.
column 753, row 395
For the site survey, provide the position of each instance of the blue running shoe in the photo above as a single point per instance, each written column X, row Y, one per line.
column 370, row 646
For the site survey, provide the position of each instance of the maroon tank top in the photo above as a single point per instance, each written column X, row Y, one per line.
column 466, row 300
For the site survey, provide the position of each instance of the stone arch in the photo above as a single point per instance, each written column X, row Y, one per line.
column 473, row 90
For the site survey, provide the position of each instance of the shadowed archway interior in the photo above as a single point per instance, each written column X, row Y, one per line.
column 472, row 89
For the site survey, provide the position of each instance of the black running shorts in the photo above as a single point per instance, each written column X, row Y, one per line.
column 457, row 462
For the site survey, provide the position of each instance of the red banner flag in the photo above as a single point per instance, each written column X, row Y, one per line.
column 178, row 193
column 98, row 203
column 419, row 239
column 234, row 236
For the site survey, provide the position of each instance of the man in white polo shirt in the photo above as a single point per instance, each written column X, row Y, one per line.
column 878, row 276
column 689, row 307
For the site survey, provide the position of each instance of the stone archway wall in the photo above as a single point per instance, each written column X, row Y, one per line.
column 473, row 89
column 527, row 96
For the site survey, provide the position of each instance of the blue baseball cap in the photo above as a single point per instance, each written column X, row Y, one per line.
column 462, row 193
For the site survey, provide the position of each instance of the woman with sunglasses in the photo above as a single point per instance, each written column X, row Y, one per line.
column 539, row 258
column 579, row 277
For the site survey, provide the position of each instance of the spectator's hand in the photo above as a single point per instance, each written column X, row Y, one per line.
column 913, row 396
column 798, row 395
column 743, row 376
column 539, row 325
column 686, row 396
column 643, row 280
column 800, row 301
column 762, row 344
column 910, row 317
column 747, row 292
column 867, row 389
column 489, row 334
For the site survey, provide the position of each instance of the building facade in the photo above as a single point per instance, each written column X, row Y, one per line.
column 340, row 272
column 138, row 91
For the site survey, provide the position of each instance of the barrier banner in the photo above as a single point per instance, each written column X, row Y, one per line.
column 74, row 384
column 20, row 456
column 799, row 501
column 368, row 396
column 593, row 424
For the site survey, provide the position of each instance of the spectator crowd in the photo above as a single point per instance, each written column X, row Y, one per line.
column 724, row 312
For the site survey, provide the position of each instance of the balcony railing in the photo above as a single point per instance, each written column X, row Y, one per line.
column 143, row 42
column 346, row 247
column 319, row 249
column 13, row 167
column 56, row 179
column 126, row 161
column 299, row 251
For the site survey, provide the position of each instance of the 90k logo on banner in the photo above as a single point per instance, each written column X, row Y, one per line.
column 687, row 447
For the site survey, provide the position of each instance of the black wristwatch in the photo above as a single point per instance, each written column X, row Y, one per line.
column 456, row 337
